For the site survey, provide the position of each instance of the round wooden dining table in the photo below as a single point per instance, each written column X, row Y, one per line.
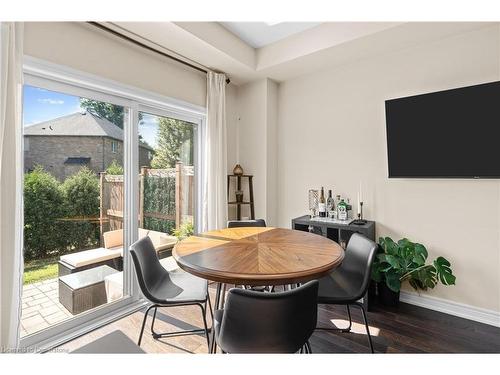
column 256, row 256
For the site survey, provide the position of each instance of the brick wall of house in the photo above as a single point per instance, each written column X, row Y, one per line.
column 109, row 155
column 51, row 152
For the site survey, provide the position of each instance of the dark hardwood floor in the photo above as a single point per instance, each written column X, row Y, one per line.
column 405, row 329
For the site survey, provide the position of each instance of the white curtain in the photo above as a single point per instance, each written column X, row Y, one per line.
column 11, row 264
column 214, row 200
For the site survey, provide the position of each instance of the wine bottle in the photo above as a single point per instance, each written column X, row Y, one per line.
column 330, row 203
column 322, row 204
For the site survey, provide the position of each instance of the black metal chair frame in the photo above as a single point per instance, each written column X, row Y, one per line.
column 156, row 335
column 352, row 302
column 160, row 302
column 348, row 329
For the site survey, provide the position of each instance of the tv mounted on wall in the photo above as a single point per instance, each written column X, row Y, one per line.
column 446, row 134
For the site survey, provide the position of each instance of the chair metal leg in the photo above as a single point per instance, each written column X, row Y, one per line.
column 350, row 318
column 210, row 308
column 153, row 323
column 203, row 313
column 343, row 330
column 223, row 296
column 308, row 346
column 144, row 322
column 366, row 325
column 216, row 306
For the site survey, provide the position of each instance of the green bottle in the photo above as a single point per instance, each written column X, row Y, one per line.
column 342, row 210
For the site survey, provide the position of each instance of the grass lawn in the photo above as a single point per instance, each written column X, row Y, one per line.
column 40, row 269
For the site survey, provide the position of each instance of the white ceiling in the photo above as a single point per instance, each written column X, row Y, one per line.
column 328, row 44
column 260, row 34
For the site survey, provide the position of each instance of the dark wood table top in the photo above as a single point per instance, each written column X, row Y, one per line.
column 258, row 256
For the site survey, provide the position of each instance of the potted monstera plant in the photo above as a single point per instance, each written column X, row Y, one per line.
column 405, row 261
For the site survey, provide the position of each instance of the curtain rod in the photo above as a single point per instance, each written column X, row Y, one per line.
column 145, row 46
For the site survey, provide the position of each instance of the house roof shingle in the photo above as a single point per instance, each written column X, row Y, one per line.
column 76, row 124
column 79, row 124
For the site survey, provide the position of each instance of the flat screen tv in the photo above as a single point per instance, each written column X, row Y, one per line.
column 446, row 134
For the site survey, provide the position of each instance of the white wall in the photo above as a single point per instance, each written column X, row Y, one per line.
column 257, row 106
column 332, row 133
column 83, row 47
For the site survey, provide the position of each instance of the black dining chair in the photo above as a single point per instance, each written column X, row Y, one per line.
column 246, row 223
column 250, row 223
column 349, row 282
column 254, row 322
column 167, row 288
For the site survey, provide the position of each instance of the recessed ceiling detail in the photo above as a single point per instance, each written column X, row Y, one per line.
column 327, row 44
column 260, row 34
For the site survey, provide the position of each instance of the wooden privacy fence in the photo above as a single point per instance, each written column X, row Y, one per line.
column 165, row 198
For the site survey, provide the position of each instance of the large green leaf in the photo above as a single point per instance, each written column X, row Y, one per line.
column 377, row 272
column 416, row 284
column 391, row 259
column 391, row 247
column 427, row 277
column 420, row 254
column 392, row 280
column 444, row 272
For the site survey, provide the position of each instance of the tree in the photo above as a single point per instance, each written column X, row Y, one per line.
column 111, row 112
column 174, row 142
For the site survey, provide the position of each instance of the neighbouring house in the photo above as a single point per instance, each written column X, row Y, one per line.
column 65, row 144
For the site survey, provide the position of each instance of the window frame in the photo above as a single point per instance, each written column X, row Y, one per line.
column 70, row 81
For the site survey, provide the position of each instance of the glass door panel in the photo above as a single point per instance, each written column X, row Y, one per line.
column 73, row 206
column 167, row 179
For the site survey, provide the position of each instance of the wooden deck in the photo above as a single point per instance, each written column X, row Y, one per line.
column 406, row 329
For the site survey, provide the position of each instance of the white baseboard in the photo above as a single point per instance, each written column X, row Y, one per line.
column 477, row 314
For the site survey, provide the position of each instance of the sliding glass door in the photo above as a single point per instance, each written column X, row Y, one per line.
column 104, row 165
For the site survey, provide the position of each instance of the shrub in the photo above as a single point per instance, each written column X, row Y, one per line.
column 43, row 206
column 159, row 225
column 81, row 193
column 114, row 168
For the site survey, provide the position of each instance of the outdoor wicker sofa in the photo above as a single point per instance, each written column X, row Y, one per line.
column 112, row 252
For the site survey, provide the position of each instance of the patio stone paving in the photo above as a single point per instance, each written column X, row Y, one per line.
column 41, row 307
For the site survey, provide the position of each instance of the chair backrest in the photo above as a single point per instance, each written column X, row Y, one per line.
column 359, row 256
column 147, row 267
column 257, row 322
column 246, row 223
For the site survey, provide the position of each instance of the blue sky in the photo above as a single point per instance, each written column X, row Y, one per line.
column 42, row 105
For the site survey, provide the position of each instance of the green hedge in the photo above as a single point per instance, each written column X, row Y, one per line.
column 159, row 197
column 57, row 217
column 43, row 206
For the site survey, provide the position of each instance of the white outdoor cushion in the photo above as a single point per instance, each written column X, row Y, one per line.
column 161, row 240
column 114, row 286
column 113, row 238
column 87, row 257
column 143, row 232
